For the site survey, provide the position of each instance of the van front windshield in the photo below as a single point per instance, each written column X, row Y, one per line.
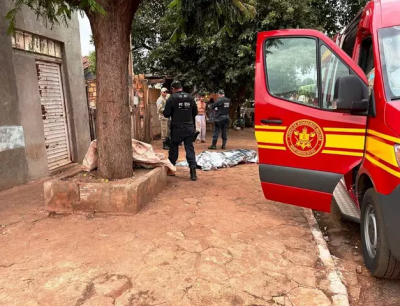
column 389, row 45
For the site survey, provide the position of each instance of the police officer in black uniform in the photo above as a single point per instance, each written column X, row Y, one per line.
column 221, row 121
column 182, row 110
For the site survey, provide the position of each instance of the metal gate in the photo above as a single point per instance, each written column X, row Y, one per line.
column 154, row 94
column 53, row 114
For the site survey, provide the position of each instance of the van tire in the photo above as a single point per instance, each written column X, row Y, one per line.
column 383, row 264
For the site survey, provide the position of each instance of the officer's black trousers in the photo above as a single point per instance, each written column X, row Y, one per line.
column 185, row 134
column 221, row 125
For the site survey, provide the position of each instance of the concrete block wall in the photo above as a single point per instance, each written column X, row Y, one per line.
column 13, row 165
column 20, row 109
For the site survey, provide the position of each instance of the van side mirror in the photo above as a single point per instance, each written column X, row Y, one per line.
column 352, row 94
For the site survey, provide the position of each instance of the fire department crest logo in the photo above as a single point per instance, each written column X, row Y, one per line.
column 304, row 138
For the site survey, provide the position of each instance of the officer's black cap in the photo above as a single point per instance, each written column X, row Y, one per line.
column 221, row 92
column 202, row 94
column 176, row 85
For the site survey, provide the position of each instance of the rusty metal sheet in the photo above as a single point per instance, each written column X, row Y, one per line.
column 58, row 164
column 50, row 125
column 53, row 111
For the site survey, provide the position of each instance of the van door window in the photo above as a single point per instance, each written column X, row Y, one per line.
column 291, row 69
column 332, row 69
column 366, row 59
column 350, row 40
column 389, row 47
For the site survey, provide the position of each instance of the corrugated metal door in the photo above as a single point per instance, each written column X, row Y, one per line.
column 53, row 114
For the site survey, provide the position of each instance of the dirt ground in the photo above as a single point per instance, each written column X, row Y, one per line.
column 216, row 241
column 345, row 244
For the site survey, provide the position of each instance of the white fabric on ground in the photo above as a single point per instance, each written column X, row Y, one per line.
column 212, row 160
column 143, row 156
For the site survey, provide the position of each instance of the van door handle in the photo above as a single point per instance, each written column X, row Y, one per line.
column 271, row 121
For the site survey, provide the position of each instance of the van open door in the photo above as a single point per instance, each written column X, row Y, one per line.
column 311, row 103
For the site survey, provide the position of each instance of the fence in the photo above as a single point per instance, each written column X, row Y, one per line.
column 155, row 125
column 148, row 126
column 145, row 123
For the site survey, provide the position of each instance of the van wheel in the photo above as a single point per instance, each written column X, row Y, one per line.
column 375, row 248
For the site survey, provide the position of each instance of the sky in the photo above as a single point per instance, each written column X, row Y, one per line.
column 86, row 32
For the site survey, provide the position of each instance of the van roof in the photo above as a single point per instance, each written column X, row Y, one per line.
column 388, row 11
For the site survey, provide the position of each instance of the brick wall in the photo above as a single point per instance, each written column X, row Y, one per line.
column 91, row 84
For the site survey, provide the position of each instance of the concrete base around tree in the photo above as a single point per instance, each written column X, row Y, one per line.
column 63, row 196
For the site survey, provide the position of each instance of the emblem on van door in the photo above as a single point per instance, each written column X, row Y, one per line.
column 304, row 138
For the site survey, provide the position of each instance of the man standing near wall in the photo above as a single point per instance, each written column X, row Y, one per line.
column 221, row 120
column 164, row 121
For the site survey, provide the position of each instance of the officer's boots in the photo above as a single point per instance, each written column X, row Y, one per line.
column 223, row 147
column 165, row 145
column 193, row 175
column 213, row 146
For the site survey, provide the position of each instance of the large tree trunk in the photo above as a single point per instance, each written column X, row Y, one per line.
column 111, row 34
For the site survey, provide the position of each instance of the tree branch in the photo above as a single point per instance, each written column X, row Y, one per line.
column 143, row 46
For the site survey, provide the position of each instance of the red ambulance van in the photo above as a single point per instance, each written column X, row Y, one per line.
column 324, row 129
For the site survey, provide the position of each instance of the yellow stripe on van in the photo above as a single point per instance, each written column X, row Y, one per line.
column 272, row 147
column 270, row 127
column 382, row 150
column 383, row 136
column 345, row 130
column 382, row 166
column 344, row 141
column 270, row 137
column 360, row 154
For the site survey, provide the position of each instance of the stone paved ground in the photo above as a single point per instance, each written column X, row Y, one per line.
column 345, row 245
column 213, row 242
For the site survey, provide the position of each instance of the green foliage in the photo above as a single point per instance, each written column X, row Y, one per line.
column 148, row 30
column 288, row 60
column 308, row 90
column 308, row 81
column 92, row 60
column 214, row 47
column 52, row 11
column 205, row 17
column 334, row 15
column 211, row 44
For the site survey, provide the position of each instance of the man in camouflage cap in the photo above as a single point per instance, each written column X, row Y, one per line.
column 164, row 121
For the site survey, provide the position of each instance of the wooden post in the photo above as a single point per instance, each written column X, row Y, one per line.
column 134, row 108
column 131, row 87
column 138, row 126
column 147, row 115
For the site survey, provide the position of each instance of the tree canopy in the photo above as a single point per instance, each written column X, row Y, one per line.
column 333, row 15
column 206, row 44
column 53, row 11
